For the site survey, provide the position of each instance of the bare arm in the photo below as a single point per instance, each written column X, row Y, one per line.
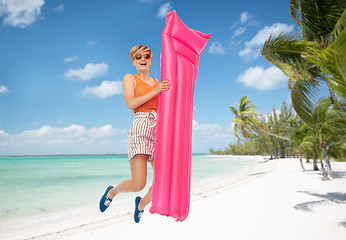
column 129, row 92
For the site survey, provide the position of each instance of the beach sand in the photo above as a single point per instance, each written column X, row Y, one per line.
column 274, row 200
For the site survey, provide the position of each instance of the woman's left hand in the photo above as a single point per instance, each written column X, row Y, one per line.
column 163, row 86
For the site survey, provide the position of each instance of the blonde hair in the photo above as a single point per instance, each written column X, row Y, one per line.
column 138, row 49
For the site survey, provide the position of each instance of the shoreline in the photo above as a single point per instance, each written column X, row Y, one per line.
column 62, row 155
column 79, row 155
column 37, row 211
column 120, row 210
column 272, row 200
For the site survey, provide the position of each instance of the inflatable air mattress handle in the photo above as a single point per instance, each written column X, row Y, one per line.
column 181, row 49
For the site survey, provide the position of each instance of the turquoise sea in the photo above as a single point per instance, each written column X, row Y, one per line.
column 32, row 186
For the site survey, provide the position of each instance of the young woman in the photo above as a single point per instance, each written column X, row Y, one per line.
column 141, row 94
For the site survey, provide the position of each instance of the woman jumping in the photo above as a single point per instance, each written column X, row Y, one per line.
column 141, row 94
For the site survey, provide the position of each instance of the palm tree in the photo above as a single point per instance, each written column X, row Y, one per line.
column 317, row 56
column 322, row 23
column 327, row 124
column 246, row 121
column 310, row 146
column 298, row 136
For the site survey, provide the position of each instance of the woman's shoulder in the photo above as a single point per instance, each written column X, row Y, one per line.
column 129, row 77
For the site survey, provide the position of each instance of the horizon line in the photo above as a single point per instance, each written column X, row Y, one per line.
column 72, row 155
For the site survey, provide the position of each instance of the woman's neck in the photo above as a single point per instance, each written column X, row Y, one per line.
column 144, row 75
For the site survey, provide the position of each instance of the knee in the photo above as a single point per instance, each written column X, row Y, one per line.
column 138, row 185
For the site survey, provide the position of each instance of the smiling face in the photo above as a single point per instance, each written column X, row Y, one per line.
column 141, row 57
column 142, row 60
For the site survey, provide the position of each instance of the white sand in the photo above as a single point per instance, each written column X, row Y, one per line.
column 276, row 200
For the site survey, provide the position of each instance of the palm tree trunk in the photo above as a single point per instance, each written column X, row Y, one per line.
column 315, row 165
column 323, row 146
column 269, row 133
column 301, row 161
column 322, row 169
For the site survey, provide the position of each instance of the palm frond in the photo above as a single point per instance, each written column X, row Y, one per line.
column 287, row 53
column 329, row 60
column 234, row 110
column 295, row 11
column 339, row 26
column 332, row 127
column 318, row 18
column 336, row 113
column 340, row 50
column 337, row 150
column 245, row 105
column 303, row 97
column 309, row 143
column 290, row 83
column 307, row 146
column 319, row 112
column 235, row 130
column 334, row 122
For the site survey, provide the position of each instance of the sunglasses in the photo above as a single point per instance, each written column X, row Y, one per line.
column 145, row 55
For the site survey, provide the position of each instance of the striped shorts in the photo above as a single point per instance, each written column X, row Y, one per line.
column 141, row 137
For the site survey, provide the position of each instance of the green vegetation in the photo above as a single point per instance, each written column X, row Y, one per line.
column 262, row 135
column 317, row 57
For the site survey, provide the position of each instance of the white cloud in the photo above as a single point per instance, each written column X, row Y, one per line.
column 234, row 44
column 3, row 133
column 264, row 33
column 73, row 139
column 77, row 139
column 239, row 32
column 90, row 71
column 252, row 48
column 106, row 89
column 263, row 79
column 249, row 53
column 246, row 18
column 103, row 132
column 71, row 59
column 3, row 89
column 216, row 48
column 59, row 8
column 164, row 9
column 205, row 136
column 20, row 13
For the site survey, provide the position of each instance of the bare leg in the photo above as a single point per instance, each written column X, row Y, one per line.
column 147, row 198
column 138, row 177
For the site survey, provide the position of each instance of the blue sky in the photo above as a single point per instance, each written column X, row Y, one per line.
column 62, row 64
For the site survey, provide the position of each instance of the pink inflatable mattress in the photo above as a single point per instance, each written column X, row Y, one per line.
column 180, row 53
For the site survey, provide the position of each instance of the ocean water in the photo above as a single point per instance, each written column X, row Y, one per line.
column 32, row 186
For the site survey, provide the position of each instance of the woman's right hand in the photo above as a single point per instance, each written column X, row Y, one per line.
column 163, row 86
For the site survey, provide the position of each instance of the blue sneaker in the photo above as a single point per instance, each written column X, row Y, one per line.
column 138, row 214
column 105, row 201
